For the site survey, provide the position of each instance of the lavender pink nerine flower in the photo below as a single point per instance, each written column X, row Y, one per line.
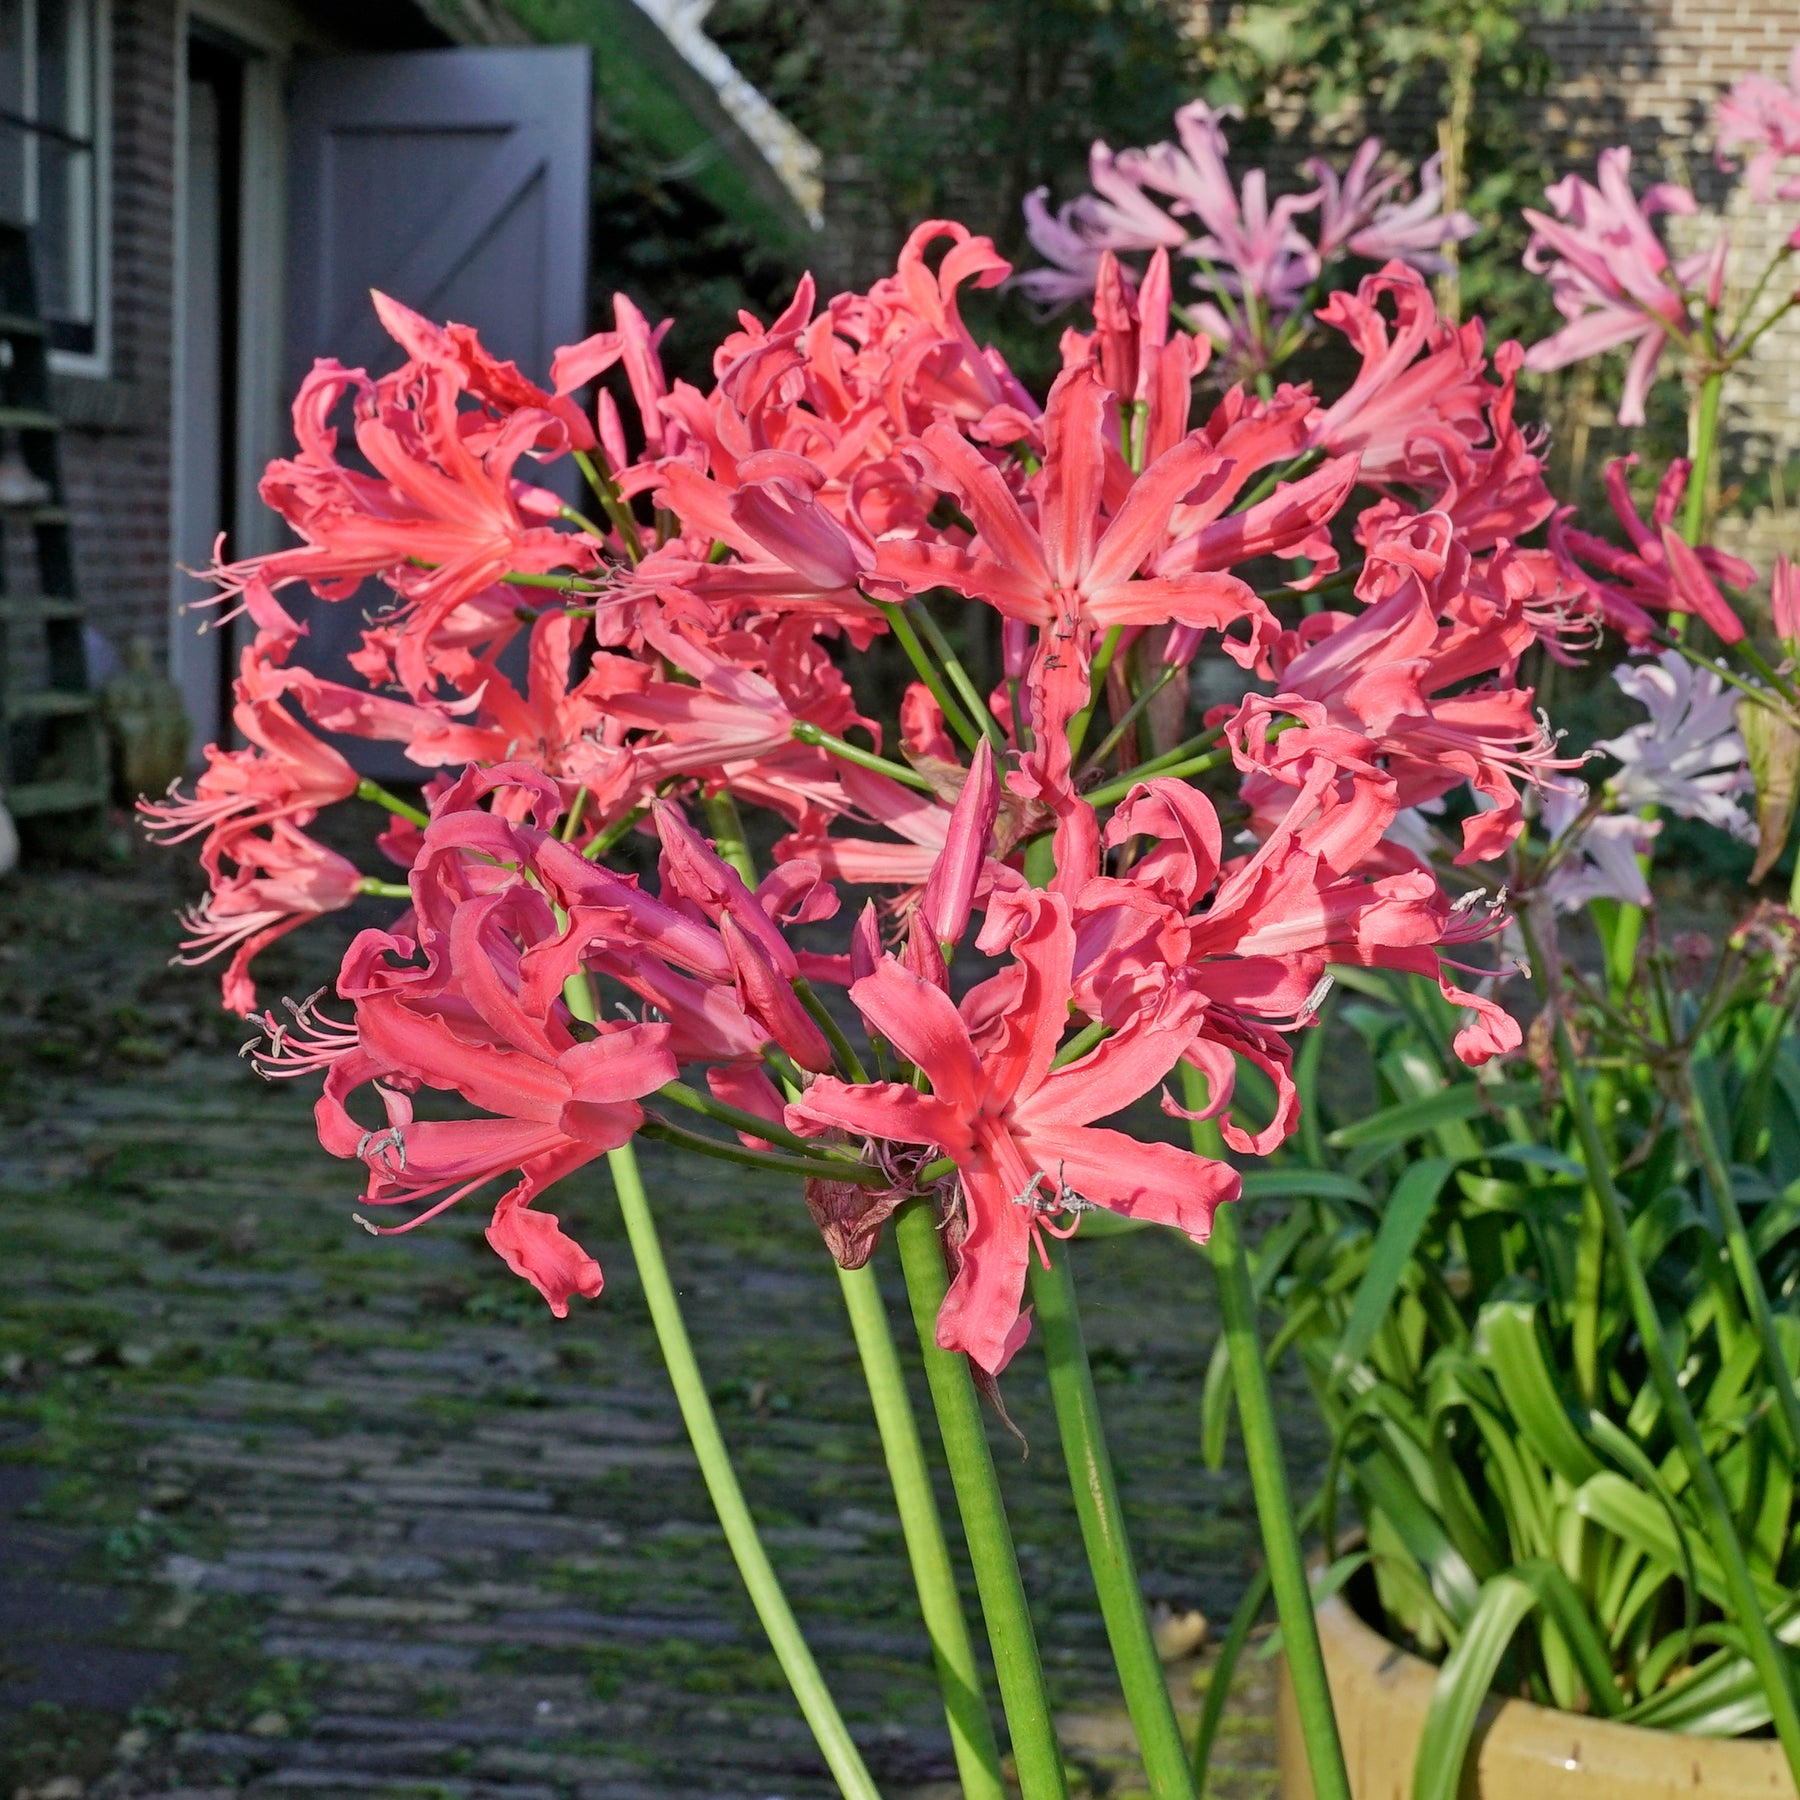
column 1611, row 277
column 1256, row 265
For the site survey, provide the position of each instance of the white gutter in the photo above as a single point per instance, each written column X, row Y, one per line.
column 793, row 157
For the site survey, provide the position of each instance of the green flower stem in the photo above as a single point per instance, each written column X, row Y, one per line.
column 1179, row 753
column 612, row 500
column 561, row 584
column 960, row 678
column 1115, row 791
column 769, row 1130
column 774, row 1162
column 1303, row 464
column 572, row 818
column 965, row 1706
column 841, row 1046
column 386, row 890
column 908, row 640
column 728, row 834
column 1767, row 1656
column 1097, row 674
column 807, row 733
column 1628, row 927
column 1268, row 1477
column 602, row 841
column 1706, row 437
column 1130, row 716
column 1036, row 1755
column 379, row 796
column 828, row 1728
column 1743, row 1263
column 1103, row 1533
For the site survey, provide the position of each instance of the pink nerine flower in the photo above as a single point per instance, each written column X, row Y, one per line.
column 280, row 882
column 1610, row 276
column 1659, row 572
column 1356, row 215
column 1021, row 1132
column 1758, row 114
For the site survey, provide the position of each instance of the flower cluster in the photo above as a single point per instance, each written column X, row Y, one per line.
column 1076, row 888
column 1257, row 267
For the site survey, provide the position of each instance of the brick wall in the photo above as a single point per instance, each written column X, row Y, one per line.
column 116, row 450
column 1646, row 74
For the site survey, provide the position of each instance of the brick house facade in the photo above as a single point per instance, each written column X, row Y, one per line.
column 1646, row 73
column 1643, row 73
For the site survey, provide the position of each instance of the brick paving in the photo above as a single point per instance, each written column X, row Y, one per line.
column 288, row 1511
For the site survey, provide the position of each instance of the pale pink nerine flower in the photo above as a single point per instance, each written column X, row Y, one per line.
column 1687, row 756
column 1611, row 277
column 1020, row 1132
column 1758, row 114
column 1356, row 215
column 280, row 882
column 1601, row 861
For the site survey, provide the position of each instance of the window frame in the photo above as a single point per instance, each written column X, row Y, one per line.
column 95, row 361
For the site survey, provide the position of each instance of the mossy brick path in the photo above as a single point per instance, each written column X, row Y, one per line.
column 295, row 1512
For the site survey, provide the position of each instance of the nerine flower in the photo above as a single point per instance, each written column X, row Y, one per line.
column 1355, row 213
column 1598, row 855
column 1687, row 756
column 1660, row 572
column 1757, row 113
column 1610, row 276
column 1020, row 1131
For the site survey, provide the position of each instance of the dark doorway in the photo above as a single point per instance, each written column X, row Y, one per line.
column 208, row 357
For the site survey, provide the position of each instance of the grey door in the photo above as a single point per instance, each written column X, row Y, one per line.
column 457, row 181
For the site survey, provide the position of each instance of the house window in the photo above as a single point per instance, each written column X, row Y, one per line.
column 52, row 144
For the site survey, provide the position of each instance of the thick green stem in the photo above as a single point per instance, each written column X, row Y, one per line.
column 1705, row 439
column 385, row 890
column 908, row 640
column 1703, row 432
column 773, row 1162
column 1268, row 1478
column 844, row 751
column 1097, row 674
column 1011, row 1638
column 728, row 834
column 1131, row 714
column 1590, row 1265
column 602, row 841
column 379, row 796
column 960, row 678
column 965, row 1706
column 769, row 1130
column 1766, row 1654
column 612, row 500
column 1103, row 1533
column 828, row 1728
column 1743, row 1263
column 1115, row 791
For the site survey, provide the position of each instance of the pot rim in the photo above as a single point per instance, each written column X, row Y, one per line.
column 1521, row 1732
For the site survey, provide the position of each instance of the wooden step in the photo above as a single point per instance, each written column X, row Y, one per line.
column 22, row 325
column 46, row 607
column 47, row 703
column 28, row 418
column 36, row 799
column 36, row 513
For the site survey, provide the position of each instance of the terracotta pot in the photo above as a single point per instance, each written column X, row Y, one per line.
column 1523, row 1752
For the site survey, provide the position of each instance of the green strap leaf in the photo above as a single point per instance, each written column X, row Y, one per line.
column 1467, row 1676
column 1465, row 1100
column 1508, row 1342
column 1402, row 1224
